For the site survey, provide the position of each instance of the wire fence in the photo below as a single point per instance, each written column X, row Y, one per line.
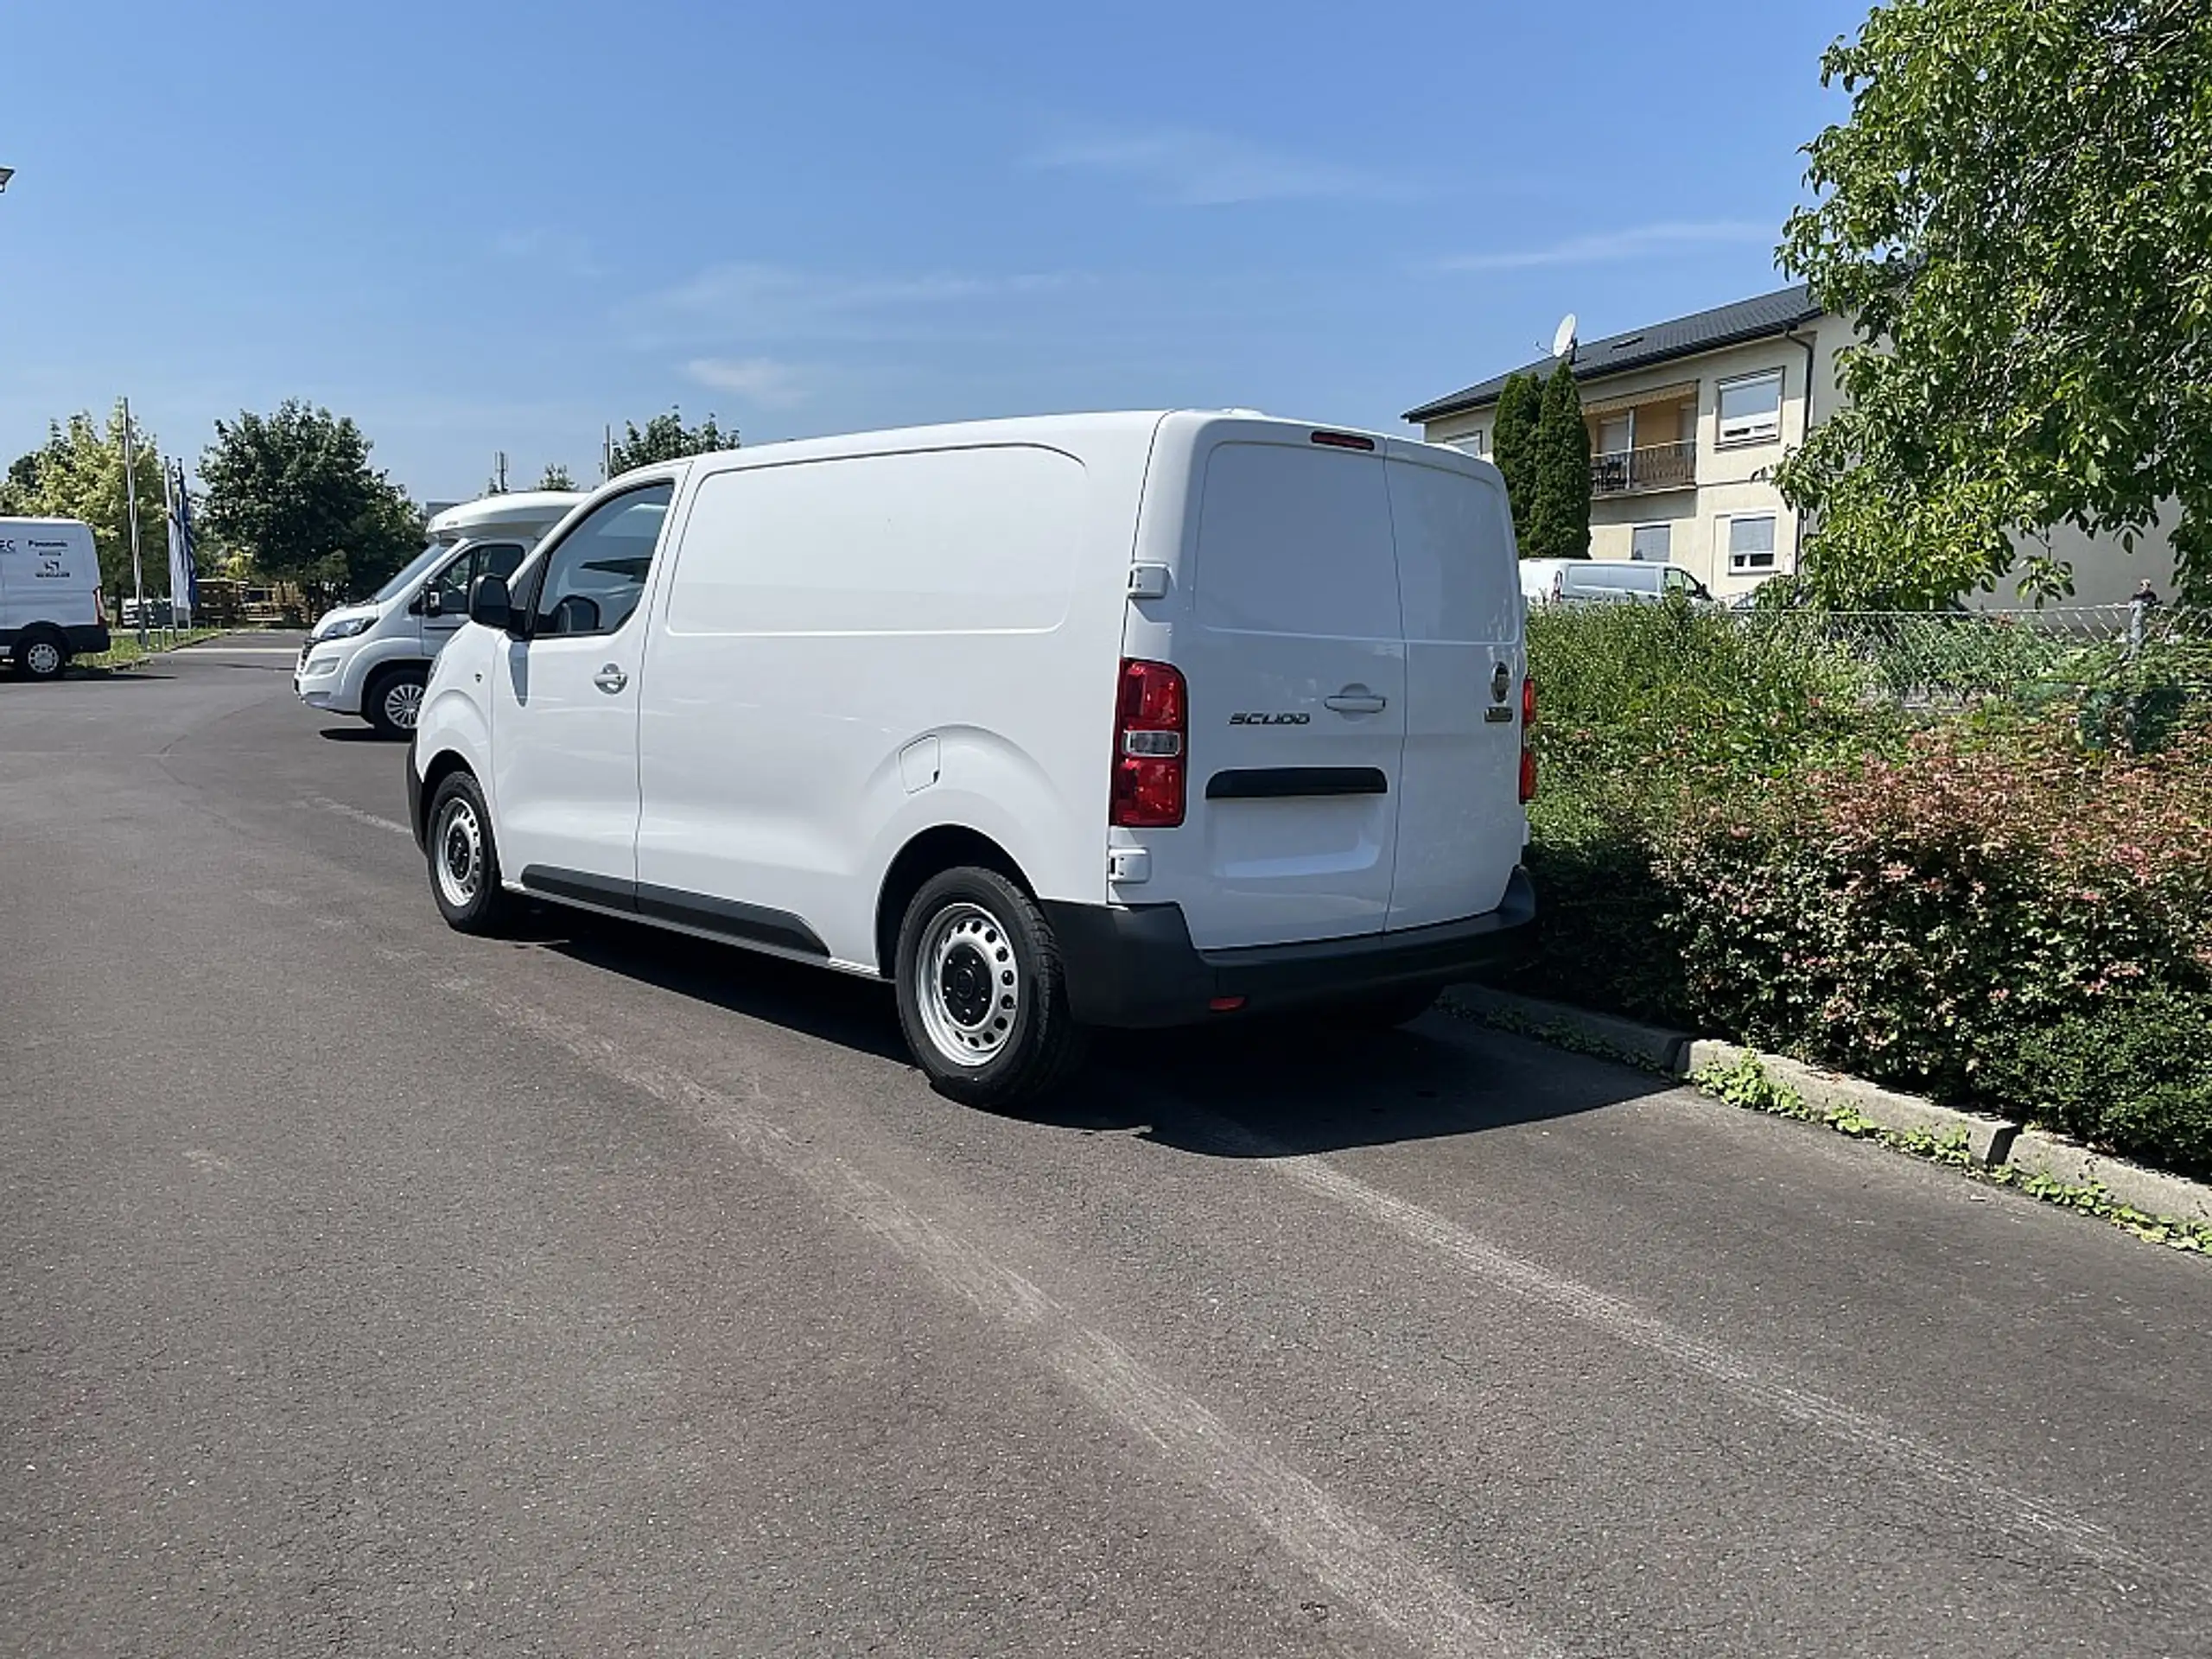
column 2143, row 655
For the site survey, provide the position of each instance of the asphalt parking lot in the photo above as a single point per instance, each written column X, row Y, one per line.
column 369, row 1287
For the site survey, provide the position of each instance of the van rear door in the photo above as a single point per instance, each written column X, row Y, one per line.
column 1460, row 821
column 1294, row 659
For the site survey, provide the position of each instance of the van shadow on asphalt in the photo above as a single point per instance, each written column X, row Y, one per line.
column 1246, row 1088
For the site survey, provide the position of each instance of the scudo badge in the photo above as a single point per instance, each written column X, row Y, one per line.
column 1270, row 720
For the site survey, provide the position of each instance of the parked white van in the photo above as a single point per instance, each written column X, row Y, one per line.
column 1568, row 581
column 372, row 659
column 51, row 607
column 1102, row 720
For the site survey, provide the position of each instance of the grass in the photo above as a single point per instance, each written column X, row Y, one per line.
column 124, row 652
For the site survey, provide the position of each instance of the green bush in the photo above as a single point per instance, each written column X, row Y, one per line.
column 1738, row 831
column 2134, row 1075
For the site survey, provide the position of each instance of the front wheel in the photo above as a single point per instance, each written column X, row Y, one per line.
column 464, row 862
column 394, row 703
column 982, row 998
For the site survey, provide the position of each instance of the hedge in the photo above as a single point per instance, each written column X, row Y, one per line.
column 1739, row 833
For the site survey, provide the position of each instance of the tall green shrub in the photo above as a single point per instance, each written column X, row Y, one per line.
column 1558, row 519
column 1513, row 447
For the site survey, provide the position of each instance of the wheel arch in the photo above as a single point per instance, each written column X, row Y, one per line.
column 943, row 847
column 441, row 766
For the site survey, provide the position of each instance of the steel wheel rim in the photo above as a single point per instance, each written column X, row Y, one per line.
column 459, row 853
column 42, row 658
column 967, row 984
column 403, row 703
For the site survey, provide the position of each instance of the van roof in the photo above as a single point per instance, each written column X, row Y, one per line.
column 514, row 507
column 1073, row 429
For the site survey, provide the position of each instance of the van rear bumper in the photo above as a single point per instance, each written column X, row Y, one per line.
column 87, row 639
column 1137, row 967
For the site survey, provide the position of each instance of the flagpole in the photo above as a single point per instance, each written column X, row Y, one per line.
column 130, row 495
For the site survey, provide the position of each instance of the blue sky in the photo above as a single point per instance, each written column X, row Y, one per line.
column 478, row 227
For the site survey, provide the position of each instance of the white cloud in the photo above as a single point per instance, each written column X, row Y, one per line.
column 1194, row 169
column 1611, row 247
column 560, row 248
column 759, row 380
column 750, row 301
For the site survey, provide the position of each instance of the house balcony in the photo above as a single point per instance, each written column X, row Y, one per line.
column 1639, row 471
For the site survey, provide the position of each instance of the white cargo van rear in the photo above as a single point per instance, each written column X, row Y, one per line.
column 51, row 607
column 1121, row 719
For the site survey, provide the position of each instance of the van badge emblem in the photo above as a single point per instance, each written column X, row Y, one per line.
column 1270, row 720
column 1501, row 682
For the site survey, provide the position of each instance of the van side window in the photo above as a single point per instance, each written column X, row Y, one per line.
column 594, row 577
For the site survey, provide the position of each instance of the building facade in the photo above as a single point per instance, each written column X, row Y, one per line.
column 1688, row 422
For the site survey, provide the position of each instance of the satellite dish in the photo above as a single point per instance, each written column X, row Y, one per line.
column 1563, row 340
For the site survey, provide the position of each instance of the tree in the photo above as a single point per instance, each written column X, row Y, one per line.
column 78, row 474
column 666, row 438
column 294, row 492
column 2016, row 216
column 1513, row 447
column 1558, row 517
column 556, row 477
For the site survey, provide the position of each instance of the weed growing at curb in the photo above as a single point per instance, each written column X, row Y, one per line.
column 1744, row 1081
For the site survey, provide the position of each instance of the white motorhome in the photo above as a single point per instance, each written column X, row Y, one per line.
column 372, row 659
column 51, row 607
column 1104, row 719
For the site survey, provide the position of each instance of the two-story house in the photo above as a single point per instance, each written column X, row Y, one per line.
column 1689, row 420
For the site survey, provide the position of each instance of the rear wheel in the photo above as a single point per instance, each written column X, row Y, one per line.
column 464, row 862
column 394, row 702
column 1385, row 1010
column 982, row 995
column 40, row 654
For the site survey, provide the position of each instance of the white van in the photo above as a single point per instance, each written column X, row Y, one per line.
column 1102, row 720
column 372, row 659
column 1635, row 581
column 51, row 607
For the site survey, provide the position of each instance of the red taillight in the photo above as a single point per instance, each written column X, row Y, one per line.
column 1152, row 724
column 1528, row 754
column 1344, row 441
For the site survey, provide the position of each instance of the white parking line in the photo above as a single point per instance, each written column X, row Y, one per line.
column 359, row 817
column 2022, row 1514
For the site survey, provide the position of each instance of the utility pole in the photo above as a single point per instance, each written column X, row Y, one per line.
column 130, row 496
column 606, row 453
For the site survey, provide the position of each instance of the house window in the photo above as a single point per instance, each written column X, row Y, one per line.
column 1476, row 443
column 1653, row 544
column 1616, row 434
column 1750, row 545
column 1750, row 409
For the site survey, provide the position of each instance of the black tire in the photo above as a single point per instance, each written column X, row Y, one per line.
column 463, row 860
column 393, row 700
column 40, row 654
column 991, row 946
column 1385, row 1010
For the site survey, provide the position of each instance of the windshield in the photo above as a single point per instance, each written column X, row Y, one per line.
column 412, row 572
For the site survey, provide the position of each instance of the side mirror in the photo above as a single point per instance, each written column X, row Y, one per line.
column 434, row 603
column 489, row 604
column 415, row 606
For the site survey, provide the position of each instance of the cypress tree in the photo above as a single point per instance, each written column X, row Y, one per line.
column 1513, row 447
column 1558, row 517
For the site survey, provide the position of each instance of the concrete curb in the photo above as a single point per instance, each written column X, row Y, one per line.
column 1992, row 1142
column 1653, row 1047
column 1987, row 1139
column 2150, row 1190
